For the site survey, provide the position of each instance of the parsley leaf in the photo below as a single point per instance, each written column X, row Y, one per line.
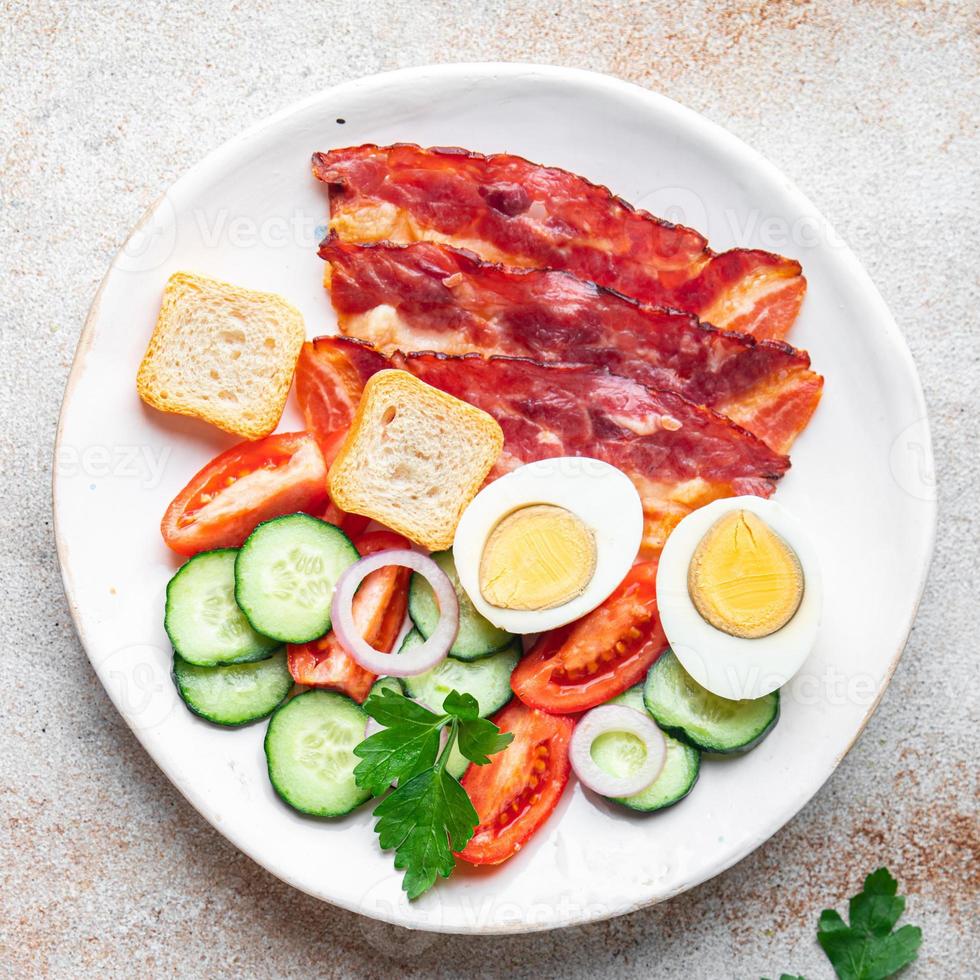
column 407, row 745
column 391, row 708
column 477, row 737
column 429, row 816
column 480, row 738
column 409, row 742
column 461, row 706
column 425, row 820
column 867, row 949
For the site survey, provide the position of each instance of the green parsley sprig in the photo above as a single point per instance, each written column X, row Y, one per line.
column 867, row 948
column 429, row 815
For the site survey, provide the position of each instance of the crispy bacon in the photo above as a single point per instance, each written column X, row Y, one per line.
column 680, row 455
column 428, row 296
column 509, row 210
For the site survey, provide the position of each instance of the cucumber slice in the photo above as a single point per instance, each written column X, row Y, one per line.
column 309, row 748
column 616, row 754
column 236, row 694
column 487, row 679
column 204, row 624
column 285, row 575
column 684, row 709
column 457, row 763
column 477, row 636
column 383, row 684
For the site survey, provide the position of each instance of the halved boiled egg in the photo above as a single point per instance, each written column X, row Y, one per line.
column 739, row 595
column 548, row 542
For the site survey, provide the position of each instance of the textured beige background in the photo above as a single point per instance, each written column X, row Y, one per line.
column 871, row 108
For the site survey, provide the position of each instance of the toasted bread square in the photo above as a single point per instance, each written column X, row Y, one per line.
column 414, row 458
column 223, row 354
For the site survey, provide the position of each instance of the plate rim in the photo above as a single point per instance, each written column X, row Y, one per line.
column 726, row 141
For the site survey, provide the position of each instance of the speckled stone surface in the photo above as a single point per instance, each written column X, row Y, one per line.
column 870, row 107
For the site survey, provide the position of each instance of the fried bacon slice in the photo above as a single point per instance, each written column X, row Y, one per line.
column 428, row 296
column 679, row 455
column 508, row 210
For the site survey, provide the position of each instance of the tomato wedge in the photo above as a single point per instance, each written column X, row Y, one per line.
column 329, row 382
column 599, row 656
column 244, row 486
column 352, row 525
column 515, row 794
column 379, row 611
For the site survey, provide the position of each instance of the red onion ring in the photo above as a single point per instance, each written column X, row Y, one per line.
column 417, row 660
column 623, row 720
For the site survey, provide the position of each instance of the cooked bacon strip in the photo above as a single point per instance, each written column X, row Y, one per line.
column 509, row 210
column 427, row 296
column 680, row 455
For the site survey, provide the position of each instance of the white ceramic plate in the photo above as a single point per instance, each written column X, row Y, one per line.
column 250, row 213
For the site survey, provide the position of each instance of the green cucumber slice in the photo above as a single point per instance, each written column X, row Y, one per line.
column 383, row 684
column 684, row 709
column 487, row 679
column 285, row 576
column 235, row 694
column 309, row 748
column 202, row 619
column 457, row 763
column 477, row 636
column 615, row 753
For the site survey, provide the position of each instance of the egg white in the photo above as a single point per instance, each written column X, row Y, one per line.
column 730, row 666
column 600, row 495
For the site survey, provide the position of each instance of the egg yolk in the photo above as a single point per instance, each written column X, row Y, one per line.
column 537, row 557
column 743, row 578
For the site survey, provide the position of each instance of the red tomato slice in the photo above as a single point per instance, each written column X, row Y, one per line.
column 515, row 794
column 352, row 525
column 244, row 486
column 328, row 388
column 599, row 656
column 379, row 610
